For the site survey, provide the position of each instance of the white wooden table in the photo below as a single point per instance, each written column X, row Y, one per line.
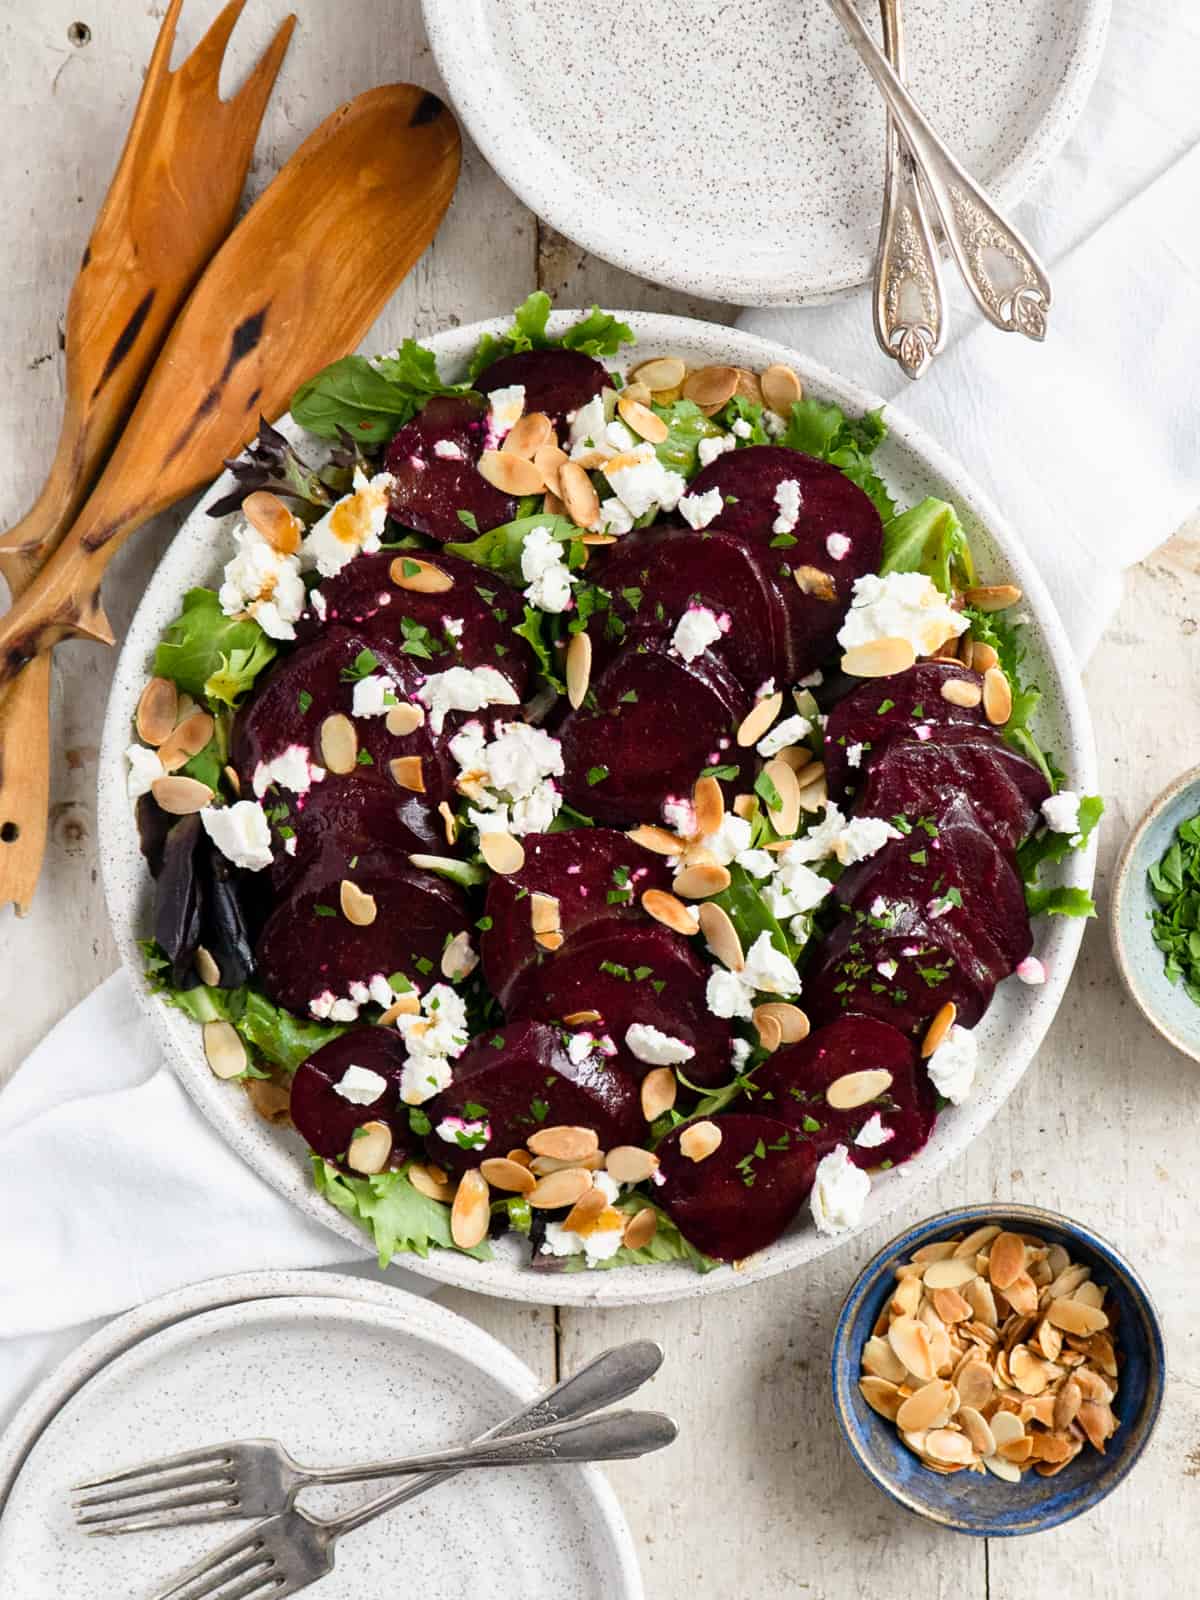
column 758, row 1498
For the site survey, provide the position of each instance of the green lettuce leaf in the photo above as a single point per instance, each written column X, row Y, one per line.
column 750, row 914
column 1045, row 848
column 1004, row 636
column 668, row 1244
column 533, row 629
column 398, row 1217
column 686, row 426
column 370, row 400
column 847, row 443
column 279, row 1036
column 207, row 653
column 598, row 334
column 929, row 539
column 499, row 549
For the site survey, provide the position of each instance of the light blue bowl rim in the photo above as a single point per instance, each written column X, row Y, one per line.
column 1141, row 1428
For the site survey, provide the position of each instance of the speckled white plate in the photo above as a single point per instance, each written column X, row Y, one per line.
column 1009, row 1035
column 336, row 1374
column 734, row 148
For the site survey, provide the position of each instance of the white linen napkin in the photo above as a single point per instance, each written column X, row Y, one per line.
column 114, row 1189
column 1090, row 443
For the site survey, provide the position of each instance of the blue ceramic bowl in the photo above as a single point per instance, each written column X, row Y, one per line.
column 1167, row 1006
column 970, row 1502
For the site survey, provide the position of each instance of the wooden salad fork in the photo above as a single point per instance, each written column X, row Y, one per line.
column 167, row 209
column 296, row 285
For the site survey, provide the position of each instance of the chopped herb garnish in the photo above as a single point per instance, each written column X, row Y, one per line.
column 596, row 775
column 304, row 700
column 324, row 911
column 363, row 666
column 719, row 772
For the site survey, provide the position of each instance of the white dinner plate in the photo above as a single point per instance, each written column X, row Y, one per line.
column 336, row 1377
column 1008, row 1036
column 734, row 148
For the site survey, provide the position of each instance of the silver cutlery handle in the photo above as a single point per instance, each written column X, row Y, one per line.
column 610, row 1377
column 909, row 299
column 999, row 267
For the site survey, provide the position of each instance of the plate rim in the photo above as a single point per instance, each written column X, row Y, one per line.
column 619, row 1287
column 443, row 27
column 132, row 1328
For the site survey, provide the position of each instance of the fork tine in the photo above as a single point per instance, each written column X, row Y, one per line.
column 215, row 1475
column 219, row 1454
column 249, row 1544
column 211, row 1495
column 107, row 1530
column 264, row 1583
column 160, row 59
column 254, row 93
column 205, row 60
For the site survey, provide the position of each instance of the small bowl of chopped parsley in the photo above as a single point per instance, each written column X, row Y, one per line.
column 1155, row 914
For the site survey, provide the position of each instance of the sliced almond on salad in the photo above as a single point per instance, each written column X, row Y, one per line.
column 180, row 795
column 186, row 740
column 997, row 697
column 157, row 711
column 670, row 911
column 879, row 658
column 937, row 1030
column 528, row 435
column 564, row 1143
column 644, row 422
column 711, row 387
column 708, row 802
column 793, row 1024
column 268, row 516
column 404, row 719
column 759, row 719
column 507, row 1175
column 579, row 668
column 659, row 1088
column 629, row 1163
column 510, row 473
column 548, row 459
column 640, row 1229
column 781, row 388
column 358, row 907
column 992, row 596
column 419, row 577
column 471, row 1210
column 502, row 852
column 699, row 1140
column 854, row 1089
column 338, row 743
column 663, row 372
column 721, row 936
column 408, row 772
column 560, row 1189
column 223, row 1049
column 960, row 692
column 811, row 580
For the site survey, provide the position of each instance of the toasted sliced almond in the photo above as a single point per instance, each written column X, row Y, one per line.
column 983, row 656
column 997, row 697
column 560, row 1189
column 502, row 852
column 1006, row 1260
column 770, row 1034
column 948, row 1448
column 1098, row 1423
column 510, row 473
column 551, row 940
column 1090, row 1293
column 910, row 1341
column 542, row 1166
column 459, row 958
column 187, row 740
column 431, row 1182
column 1000, row 1468
column 1065, row 1285
column 544, row 914
column 1027, row 1372
column 629, row 1163
column 635, row 389
column 855, row 1089
column 564, row 1143
column 521, row 1157
column 811, row 580
column 1072, row 1316
column 663, row 372
column 785, row 818
column 961, row 692
column 759, row 719
column 938, row 1250
column 882, row 1396
column 180, row 795
column 223, row 1048
column 404, row 719
column 977, row 1430
column 644, row 422
column 578, row 494
column 749, row 387
column 575, row 1019
column 419, row 577
column 657, row 840
column 711, row 387
column 471, row 1211
column 579, row 668
column 357, row 907
column 408, row 772
column 207, row 969
column 907, row 1298
column 1067, row 1403
column 370, row 1148
column 699, row 1140
column 527, row 436
column 793, row 1024
column 708, row 803
column 992, row 597
column 953, row 1273
column 1050, row 1340
column 879, row 658
column 659, row 1088
column 157, row 711
column 930, row 1406
column 781, row 388
column 975, row 1384
column 700, row 881
column 1022, row 1295
column 670, row 911
column 267, row 515
column 721, row 936
column 271, row 1100
column 339, row 744
column 586, row 1211
column 548, row 459
column 1018, row 1450
column 640, row 1229
column 951, row 1306
column 405, row 1005
column 976, row 1241
column 938, row 1029
column 880, row 1359
column 798, row 757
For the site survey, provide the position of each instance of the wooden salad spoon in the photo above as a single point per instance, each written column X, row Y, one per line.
column 167, row 209
column 296, row 285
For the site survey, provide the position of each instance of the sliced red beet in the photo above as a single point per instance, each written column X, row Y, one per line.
column 656, row 574
column 519, row 1078
column 629, row 973
column 657, row 723
column 432, row 487
column 363, row 597
column 591, row 872
column 742, row 1197
column 348, row 816
column 914, row 778
column 954, row 875
column 883, row 710
column 902, row 975
column 327, row 1119
column 791, row 1085
column 556, row 382
column 832, row 511
column 307, row 947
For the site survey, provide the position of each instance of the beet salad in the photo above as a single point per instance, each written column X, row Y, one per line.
column 588, row 809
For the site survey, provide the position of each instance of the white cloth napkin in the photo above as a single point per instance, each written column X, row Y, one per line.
column 1090, row 443
column 114, row 1189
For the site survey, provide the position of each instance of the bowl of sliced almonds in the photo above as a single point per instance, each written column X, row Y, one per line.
column 998, row 1369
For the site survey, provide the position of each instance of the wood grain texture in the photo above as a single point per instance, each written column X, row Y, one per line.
column 757, row 1499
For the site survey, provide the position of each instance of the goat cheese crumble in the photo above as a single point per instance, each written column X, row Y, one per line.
column 792, row 730
column 264, row 584
column 352, row 527
column 766, row 971
column 952, row 1065
column 698, row 510
column 433, row 1038
column 292, row 769
column 902, row 605
column 241, row 833
column 788, row 498
column 696, row 630
column 374, row 695
column 508, row 777
column 464, row 689
column 657, row 1049
column 639, row 480
column 360, row 1085
column 1061, row 812
column 505, row 409
column 713, row 446
column 144, row 767
column 873, row 1133
column 545, row 571
column 839, row 1192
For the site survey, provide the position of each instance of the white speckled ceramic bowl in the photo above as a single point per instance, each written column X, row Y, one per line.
column 1009, row 1035
column 1165, row 1005
column 734, row 148
column 337, row 1369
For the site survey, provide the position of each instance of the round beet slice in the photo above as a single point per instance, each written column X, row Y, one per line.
column 908, row 705
column 914, row 778
column 327, row 1119
column 791, row 1085
column 431, row 484
column 837, row 536
column 591, row 872
column 743, row 1196
column 556, row 382
column 657, row 723
column 307, row 947
column 631, row 973
column 468, row 625
column 656, row 574
column 520, row 1078
column 347, row 816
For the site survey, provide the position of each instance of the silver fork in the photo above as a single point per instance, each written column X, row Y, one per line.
column 1001, row 270
column 258, row 1477
column 909, row 297
column 289, row 1551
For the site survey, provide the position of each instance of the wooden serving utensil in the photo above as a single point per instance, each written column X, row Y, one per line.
column 167, row 209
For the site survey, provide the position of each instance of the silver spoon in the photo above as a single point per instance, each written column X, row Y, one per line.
column 909, row 297
column 999, row 267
